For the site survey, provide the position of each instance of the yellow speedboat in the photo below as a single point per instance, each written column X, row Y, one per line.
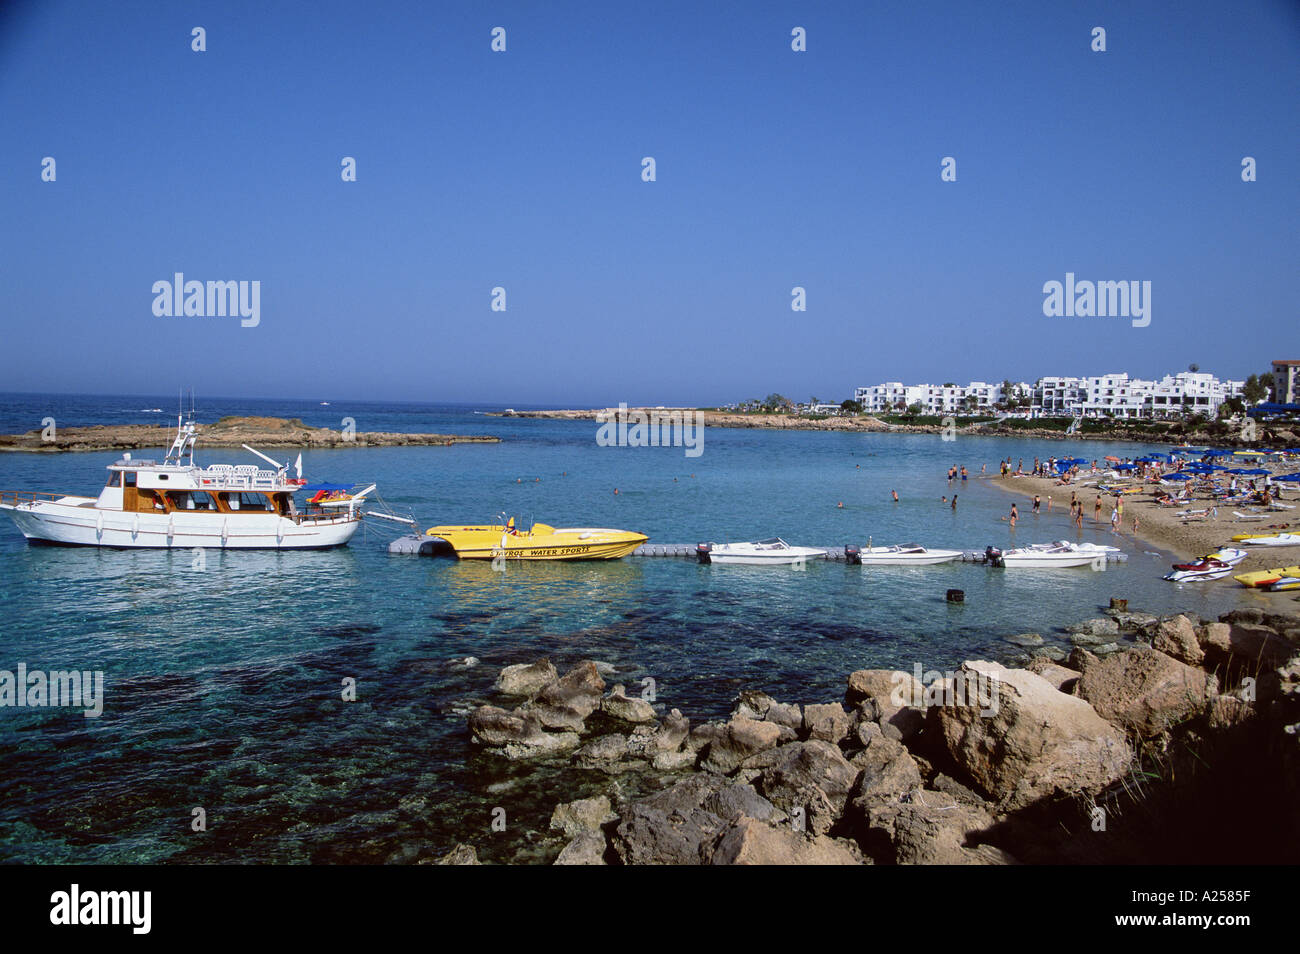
column 539, row 542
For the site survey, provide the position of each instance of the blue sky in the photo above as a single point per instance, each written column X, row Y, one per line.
column 523, row 170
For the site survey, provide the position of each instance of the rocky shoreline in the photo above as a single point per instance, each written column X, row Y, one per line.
column 1153, row 740
column 227, row 432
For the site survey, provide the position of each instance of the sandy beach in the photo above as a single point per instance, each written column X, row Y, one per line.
column 1160, row 527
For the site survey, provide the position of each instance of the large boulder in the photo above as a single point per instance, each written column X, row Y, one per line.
column 748, row 841
column 1059, row 676
column 671, row 827
column 740, row 739
column 1252, row 642
column 1143, row 690
column 607, row 753
column 1175, row 636
column 935, row 829
column 742, row 799
column 812, row 779
column 889, row 774
column 1033, row 742
column 518, row 736
column 526, row 679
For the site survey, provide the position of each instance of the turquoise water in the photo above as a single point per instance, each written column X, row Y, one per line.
column 223, row 685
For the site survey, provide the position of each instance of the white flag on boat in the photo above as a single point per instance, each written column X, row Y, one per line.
column 297, row 466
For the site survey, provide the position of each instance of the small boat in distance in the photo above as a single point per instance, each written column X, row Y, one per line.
column 905, row 554
column 1047, row 555
column 771, row 552
column 539, row 542
column 177, row 504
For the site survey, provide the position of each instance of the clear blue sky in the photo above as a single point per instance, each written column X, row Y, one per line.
column 523, row 169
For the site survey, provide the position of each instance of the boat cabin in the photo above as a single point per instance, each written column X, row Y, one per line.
column 146, row 486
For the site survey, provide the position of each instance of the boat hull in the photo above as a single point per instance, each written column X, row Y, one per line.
column 576, row 543
column 73, row 523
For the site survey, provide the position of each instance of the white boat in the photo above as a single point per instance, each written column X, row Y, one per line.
column 1046, row 555
column 773, row 552
column 177, row 504
column 906, row 554
column 1197, row 576
column 1276, row 540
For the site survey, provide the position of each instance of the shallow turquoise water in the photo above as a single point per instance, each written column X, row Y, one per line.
column 223, row 685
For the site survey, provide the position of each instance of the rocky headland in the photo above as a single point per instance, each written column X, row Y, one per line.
column 227, row 432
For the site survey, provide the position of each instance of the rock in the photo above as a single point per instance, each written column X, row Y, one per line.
column 585, row 814
column 1144, row 690
column 1061, row 678
column 741, row 738
column 672, row 732
column 1054, row 653
column 1089, row 639
column 462, row 854
column 617, row 705
column 812, row 777
column 670, row 827
column 830, row 723
column 587, row 848
column 891, row 697
column 1102, row 628
column 785, row 714
column 608, row 753
column 936, row 830
column 1227, row 711
column 566, row 703
column 1037, row 741
column 526, row 679
column 1131, row 620
column 673, row 761
column 1252, row 642
column 1025, row 639
column 751, row 704
column 517, row 736
column 751, row 842
column 889, row 774
column 742, row 799
column 704, row 735
column 1105, row 649
column 1175, row 636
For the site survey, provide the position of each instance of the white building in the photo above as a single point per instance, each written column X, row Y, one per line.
column 1105, row 395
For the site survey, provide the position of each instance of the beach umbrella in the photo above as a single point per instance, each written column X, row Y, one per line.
column 1179, row 477
column 1113, row 460
column 1289, row 478
column 1219, row 453
column 1126, row 467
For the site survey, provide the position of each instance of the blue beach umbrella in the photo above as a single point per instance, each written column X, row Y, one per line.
column 1289, row 478
column 1179, row 477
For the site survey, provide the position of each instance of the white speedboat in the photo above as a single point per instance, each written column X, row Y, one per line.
column 1045, row 556
column 905, row 554
column 773, row 552
column 177, row 504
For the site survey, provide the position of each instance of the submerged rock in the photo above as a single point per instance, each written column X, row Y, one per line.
column 526, row 679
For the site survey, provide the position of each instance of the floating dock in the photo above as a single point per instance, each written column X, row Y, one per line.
column 423, row 546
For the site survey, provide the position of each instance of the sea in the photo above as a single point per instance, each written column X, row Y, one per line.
column 310, row 707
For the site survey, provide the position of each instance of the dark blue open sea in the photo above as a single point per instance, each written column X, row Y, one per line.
column 223, row 685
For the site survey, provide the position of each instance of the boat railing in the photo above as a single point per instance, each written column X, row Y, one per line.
column 15, row 498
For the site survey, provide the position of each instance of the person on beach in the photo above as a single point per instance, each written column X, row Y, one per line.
column 1015, row 515
column 954, row 503
column 1135, row 525
column 1119, row 504
column 1049, row 503
column 1037, row 503
column 964, row 475
column 1096, row 509
column 983, row 469
column 1114, row 520
column 895, row 493
column 1078, row 517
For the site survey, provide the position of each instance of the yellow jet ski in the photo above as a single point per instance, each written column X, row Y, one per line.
column 539, row 542
column 1262, row 578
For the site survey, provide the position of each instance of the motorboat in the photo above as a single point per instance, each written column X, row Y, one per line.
column 539, row 542
column 905, row 554
column 1264, row 578
column 1285, row 583
column 1269, row 540
column 1229, row 555
column 1046, row 555
column 177, row 504
column 773, row 552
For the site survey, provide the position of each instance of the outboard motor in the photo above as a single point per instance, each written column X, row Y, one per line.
column 993, row 556
column 702, row 551
column 852, row 554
